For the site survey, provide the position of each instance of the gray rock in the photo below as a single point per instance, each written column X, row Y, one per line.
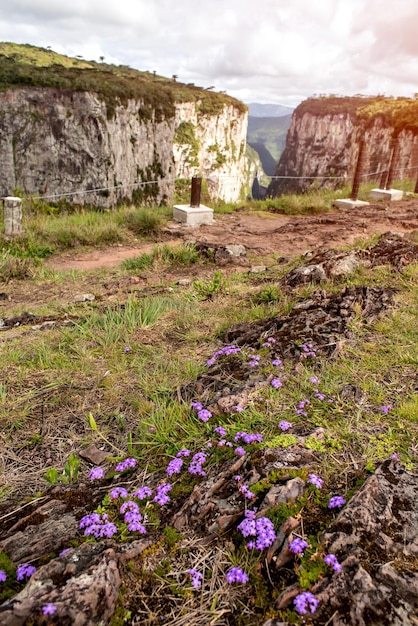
column 346, row 265
column 84, row 297
column 236, row 249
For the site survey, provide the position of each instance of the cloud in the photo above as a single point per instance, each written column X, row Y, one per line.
column 272, row 50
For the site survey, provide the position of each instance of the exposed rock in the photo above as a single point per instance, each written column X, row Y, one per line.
column 92, row 454
column 306, row 274
column 346, row 265
column 83, row 585
column 375, row 537
column 48, row 528
column 283, row 493
column 258, row 269
column 236, row 249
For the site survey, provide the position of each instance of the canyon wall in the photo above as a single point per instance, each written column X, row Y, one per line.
column 59, row 143
column 323, row 143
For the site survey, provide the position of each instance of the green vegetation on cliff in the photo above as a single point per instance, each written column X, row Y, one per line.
column 401, row 113
column 30, row 66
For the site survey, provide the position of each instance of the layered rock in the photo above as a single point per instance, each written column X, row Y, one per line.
column 71, row 144
column 322, row 144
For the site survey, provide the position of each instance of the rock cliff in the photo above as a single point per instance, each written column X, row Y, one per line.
column 323, row 141
column 100, row 135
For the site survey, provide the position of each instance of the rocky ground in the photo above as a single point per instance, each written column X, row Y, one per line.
column 375, row 536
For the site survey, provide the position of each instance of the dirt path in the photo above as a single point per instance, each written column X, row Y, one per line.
column 266, row 233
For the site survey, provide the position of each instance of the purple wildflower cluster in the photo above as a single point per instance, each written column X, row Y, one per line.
column 298, row 545
column 248, row 438
column 336, row 502
column 301, row 407
column 174, row 467
column 385, row 409
column 225, row 351
column 3, row 576
column 276, row 383
column 307, row 351
column 96, row 473
column 98, row 525
column 305, row 602
column 262, row 529
column 315, row 480
column 196, row 463
column 284, row 425
column 202, row 414
column 132, row 517
column 118, row 492
column 161, row 496
column 236, row 575
column 25, row 571
column 197, row 577
column 126, row 464
column 332, row 561
column 142, row 493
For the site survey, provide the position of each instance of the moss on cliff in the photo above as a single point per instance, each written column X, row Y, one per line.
column 401, row 113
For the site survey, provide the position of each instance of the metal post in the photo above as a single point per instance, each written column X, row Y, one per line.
column 393, row 160
column 195, row 193
column 383, row 179
column 359, row 170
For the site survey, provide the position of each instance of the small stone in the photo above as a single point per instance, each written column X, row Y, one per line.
column 236, row 249
column 92, row 454
column 84, row 297
column 258, row 269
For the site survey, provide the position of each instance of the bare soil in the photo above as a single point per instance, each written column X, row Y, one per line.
column 264, row 234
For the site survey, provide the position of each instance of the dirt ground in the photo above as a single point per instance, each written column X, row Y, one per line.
column 263, row 234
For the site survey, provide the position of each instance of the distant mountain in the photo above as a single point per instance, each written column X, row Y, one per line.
column 267, row 135
column 256, row 109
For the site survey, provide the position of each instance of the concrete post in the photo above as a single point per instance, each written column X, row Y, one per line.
column 359, row 170
column 12, row 216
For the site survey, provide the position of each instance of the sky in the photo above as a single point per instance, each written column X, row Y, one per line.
column 268, row 51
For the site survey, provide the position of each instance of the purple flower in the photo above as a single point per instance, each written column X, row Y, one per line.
column 298, row 545
column 204, row 415
column 162, row 498
column 276, row 383
column 276, row 362
column 271, row 340
column 129, row 505
column 89, row 520
column 336, row 502
column 237, row 477
column 246, row 492
column 320, row 396
column 183, row 452
column 118, row 492
column 238, row 408
column 236, row 575
column 126, row 464
column 136, row 526
column 65, row 551
column 220, row 430
column 25, row 571
column 385, row 409
column 197, row 577
column 49, row 609
column 395, row 456
column 305, row 601
column 127, row 349
column 141, row 493
column 239, row 451
column 262, row 529
column 315, row 480
column 332, row 561
column 98, row 526
column 174, row 467
column 96, row 473
column 196, row 463
column 198, row 406
column 284, row 425
column 3, row 576
column 314, row 380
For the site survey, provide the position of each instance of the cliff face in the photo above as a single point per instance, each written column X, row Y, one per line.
column 55, row 142
column 322, row 147
column 213, row 146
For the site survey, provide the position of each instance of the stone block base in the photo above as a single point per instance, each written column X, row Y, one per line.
column 386, row 194
column 349, row 204
column 192, row 216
